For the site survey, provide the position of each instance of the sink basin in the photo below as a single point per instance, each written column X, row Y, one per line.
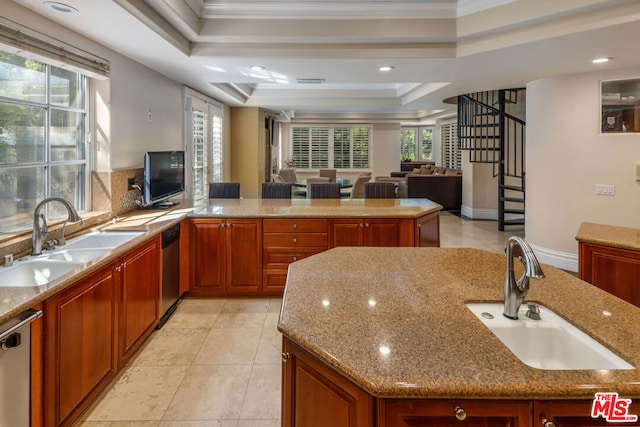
column 550, row 343
column 34, row 272
column 79, row 255
column 101, row 239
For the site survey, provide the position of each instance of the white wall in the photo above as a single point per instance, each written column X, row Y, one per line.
column 566, row 157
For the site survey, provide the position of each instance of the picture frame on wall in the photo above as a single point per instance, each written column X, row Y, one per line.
column 620, row 106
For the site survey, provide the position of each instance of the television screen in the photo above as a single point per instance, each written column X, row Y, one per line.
column 163, row 175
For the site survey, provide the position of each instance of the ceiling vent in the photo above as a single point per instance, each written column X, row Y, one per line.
column 311, row 81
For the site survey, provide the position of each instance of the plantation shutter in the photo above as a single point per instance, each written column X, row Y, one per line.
column 361, row 147
column 300, row 147
column 451, row 156
column 342, row 148
column 216, row 149
column 319, row 147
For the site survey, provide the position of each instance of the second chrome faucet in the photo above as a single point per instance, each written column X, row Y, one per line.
column 516, row 290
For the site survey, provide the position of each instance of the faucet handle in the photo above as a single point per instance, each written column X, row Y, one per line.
column 533, row 312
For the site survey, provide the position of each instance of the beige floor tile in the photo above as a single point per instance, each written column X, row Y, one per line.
column 262, row 401
column 229, row 347
column 253, row 305
column 140, row 393
column 195, row 313
column 172, row 347
column 118, row 424
column 210, row 392
column 208, row 423
column 270, row 346
column 259, row 423
column 240, row 320
column 456, row 232
column 274, row 305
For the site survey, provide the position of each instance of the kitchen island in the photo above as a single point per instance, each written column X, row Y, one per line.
column 383, row 337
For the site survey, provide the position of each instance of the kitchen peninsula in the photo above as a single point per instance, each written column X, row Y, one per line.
column 383, row 338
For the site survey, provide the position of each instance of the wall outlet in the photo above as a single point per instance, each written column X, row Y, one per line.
column 149, row 117
column 130, row 183
column 605, row 189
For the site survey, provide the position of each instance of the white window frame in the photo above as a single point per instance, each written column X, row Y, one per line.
column 419, row 146
column 330, row 145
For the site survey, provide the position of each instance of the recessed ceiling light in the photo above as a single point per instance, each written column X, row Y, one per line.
column 386, row 68
column 60, row 7
column 601, row 60
column 257, row 68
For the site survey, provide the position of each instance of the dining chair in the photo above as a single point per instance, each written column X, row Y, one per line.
column 328, row 173
column 224, row 190
column 403, row 190
column 276, row 190
column 324, row 190
column 357, row 191
column 288, row 175
column 314, row 180
column 379, row 190
column 277, row 178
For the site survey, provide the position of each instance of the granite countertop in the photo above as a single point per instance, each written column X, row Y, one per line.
column 317, row 208
column 346, row 304
column 14, row 300
column 609, row 235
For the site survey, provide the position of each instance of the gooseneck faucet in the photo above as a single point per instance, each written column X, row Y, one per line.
column 516, row 290
column 40, row 229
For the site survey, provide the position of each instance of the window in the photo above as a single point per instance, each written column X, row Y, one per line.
column 204, row 144
column 416, row 143
column 329, row 146
column 43, row 151
column 451, row 156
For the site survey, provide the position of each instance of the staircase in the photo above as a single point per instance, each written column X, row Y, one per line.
column 489, row 129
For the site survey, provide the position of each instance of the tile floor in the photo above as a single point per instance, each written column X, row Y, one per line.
column 216, row 363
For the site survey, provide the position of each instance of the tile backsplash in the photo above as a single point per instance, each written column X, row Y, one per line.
column 111, row 190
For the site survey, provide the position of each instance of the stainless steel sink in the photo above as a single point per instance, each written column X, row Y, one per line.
column 550, row 343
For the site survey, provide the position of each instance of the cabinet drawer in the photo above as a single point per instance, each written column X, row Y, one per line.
column 273, row 281
column 295, row 225
column 291, row 240
column 279, row 257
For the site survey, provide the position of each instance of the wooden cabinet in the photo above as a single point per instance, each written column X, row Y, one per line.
column 427, row 230
column 138, row 275
column 285, row 241
column 614, row 270
column 80, row 345
column 314, row 395
column 574, row 413
column 226, row 256
column 388, row 232
column 468, row 413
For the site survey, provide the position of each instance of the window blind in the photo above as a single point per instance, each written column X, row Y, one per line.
column 451, row 156
column 361, row 147
column 341, row 148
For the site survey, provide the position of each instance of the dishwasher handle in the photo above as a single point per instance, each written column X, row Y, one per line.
column 25, row 318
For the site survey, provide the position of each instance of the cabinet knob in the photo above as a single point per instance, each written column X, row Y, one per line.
column 367, row 225
column 222, row 225
column 547, row 423
column 285, row 357
column 295, row 258
column 119, row 268
column 295, row 226
column 460, row 413
column 361, row 225
column 295, row 240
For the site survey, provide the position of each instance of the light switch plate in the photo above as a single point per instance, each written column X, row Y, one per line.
column 606, row 189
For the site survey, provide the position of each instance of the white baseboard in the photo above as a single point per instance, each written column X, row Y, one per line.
column 469, row 212
column 563, row 260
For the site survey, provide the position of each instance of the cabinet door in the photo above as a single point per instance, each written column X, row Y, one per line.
column 428, row 230
column 80, row 346
column 346, row 232
column 139, row 297
column 208, row 254
column 382, row 232
column 574, row 413
column 616, row 271
column 244, row 256
column 464, row 413
column 314, row 395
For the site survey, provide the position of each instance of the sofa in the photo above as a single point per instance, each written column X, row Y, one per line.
column 438, row 184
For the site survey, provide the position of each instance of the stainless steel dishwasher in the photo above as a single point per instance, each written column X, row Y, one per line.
column 170, row 272
column 15, row 369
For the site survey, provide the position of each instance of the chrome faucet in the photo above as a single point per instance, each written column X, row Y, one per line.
column 516, row 290
column 40, row 229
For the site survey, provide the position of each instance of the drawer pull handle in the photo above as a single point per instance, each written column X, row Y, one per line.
column 547, row 423
column 295, row 226
column 295, row 240
column 460, row 413
column 295, row 258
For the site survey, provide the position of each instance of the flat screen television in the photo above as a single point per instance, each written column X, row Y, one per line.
column 163, row 177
